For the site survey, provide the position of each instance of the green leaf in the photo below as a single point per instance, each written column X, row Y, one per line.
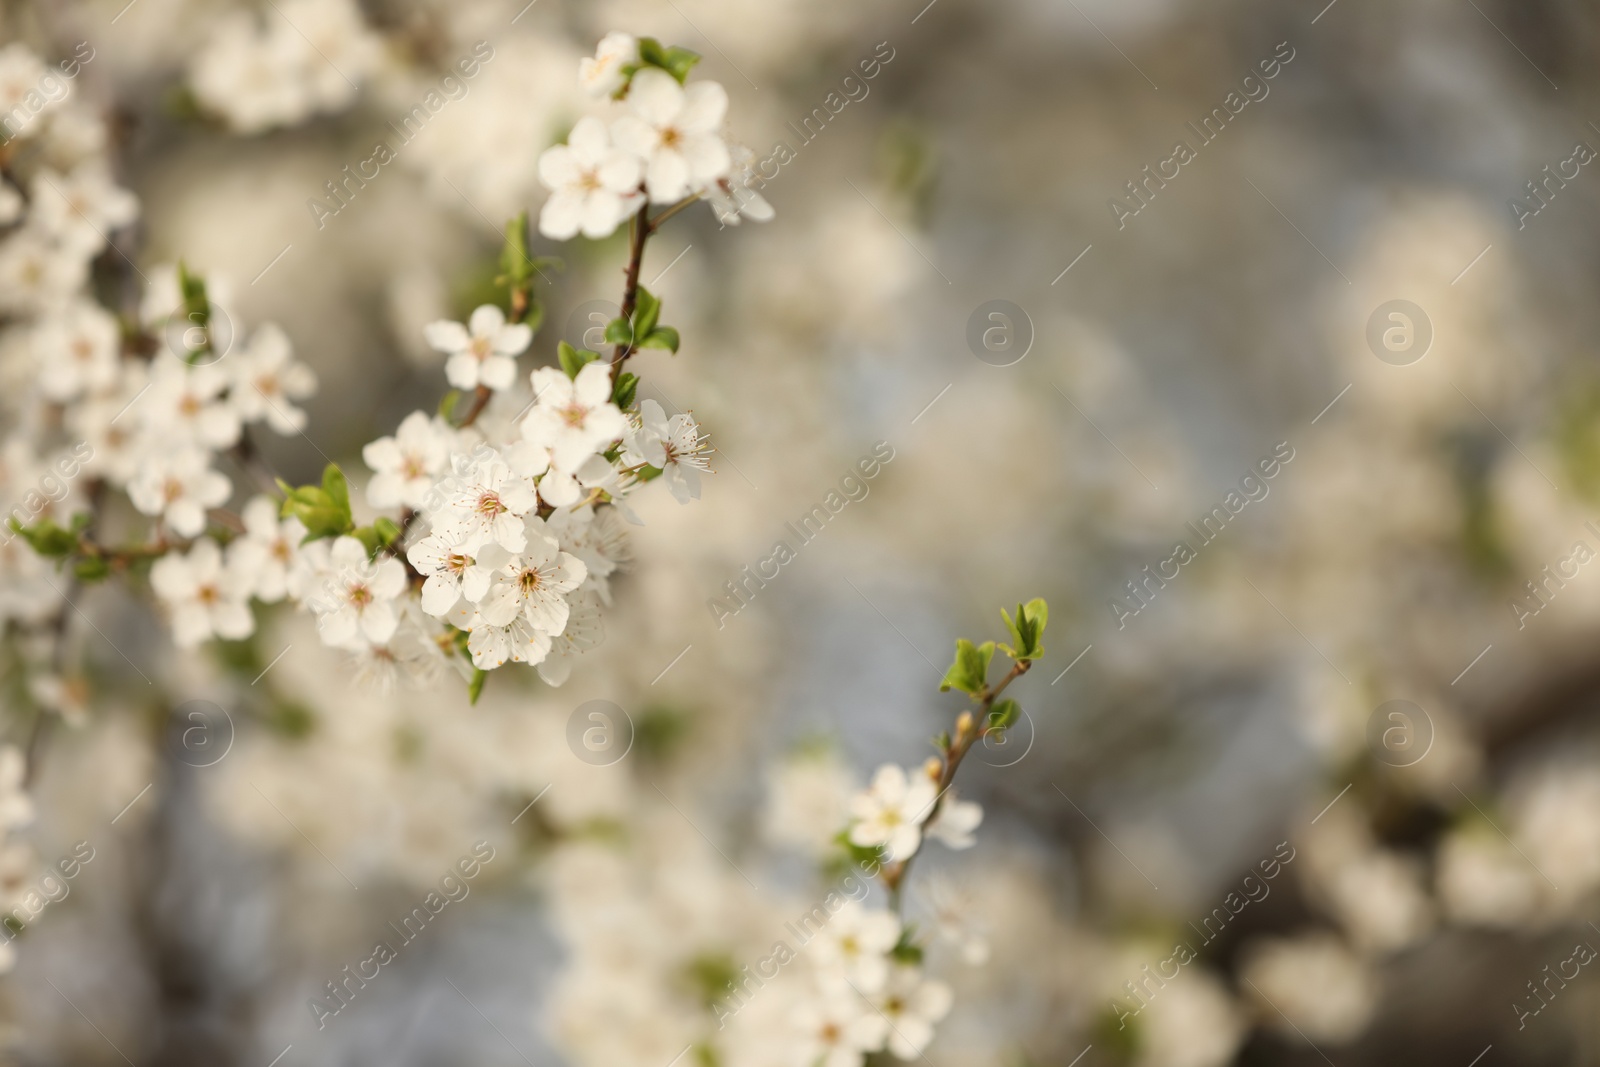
column 47, row 538
column 516, row 268
column 388, row 531
column 91, row 569
column 324, row 510
column 661, row 337
column 627, row 389
column 196, row 304
column 475, row 687
column 368, row 536
column 336, row 487
column 291, row 719
column 906, row 950
column 970, row 671
column 1003, row 714
column 618, row 332
column 1026, row 630
column 447, row 404
column 675, row 61
column 646, row 313
column 574, row 360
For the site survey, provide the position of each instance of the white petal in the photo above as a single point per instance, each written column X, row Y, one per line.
column 446, row 336
column 668, row 177
column 589, row 140
column 656, row 96
column 561, row 216
column 486, row 320
column 705, row 105
column 461, row 370
column 558, row 167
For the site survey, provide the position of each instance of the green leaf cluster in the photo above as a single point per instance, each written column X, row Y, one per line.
column 970, row 671
column 323, row 509
column 574, row 360
column 49, row 538
column 1026, row 630
column 644, row 329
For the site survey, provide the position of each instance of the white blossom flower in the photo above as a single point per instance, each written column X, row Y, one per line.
column 854, row 946
column 486, row 502
column 335, row 45
column 912, row 1005
column 184, row 404
column 838, row 1030
column 266, row 553
column 204, row 598
column 309, row 58
column 451, row 572
column 491, row 646
column 604, row 73
column 675, row 446
column 595, row 537
column 406, row 465
column 21, row 75
column 954, row 822
column 36, row 273
column 107, row 426
column 483, row 352
column 733, row 197
column 674, row 130
column 179, row 486
column 532, row 583
column 892, row 811
column 83, row 207
column 77, row 350
column 573, row 417
column 252, row 80
column 410, row 656
column 265, row 379
column 958, row 917
column 585, row 630
column 309, row 571
column 355, row 605
column 593, row 184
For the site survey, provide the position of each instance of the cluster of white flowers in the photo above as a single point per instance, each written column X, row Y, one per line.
column 59, row 351
column 504, row 532
column 667, row 146
column 844, row 979
column 281, row 67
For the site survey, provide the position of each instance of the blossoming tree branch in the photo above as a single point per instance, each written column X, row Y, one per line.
column 498, row 530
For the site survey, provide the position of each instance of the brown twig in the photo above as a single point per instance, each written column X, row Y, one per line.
column 969, row 731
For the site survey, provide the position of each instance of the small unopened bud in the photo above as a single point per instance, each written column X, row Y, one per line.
column 933, row 768
column 964, row 724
